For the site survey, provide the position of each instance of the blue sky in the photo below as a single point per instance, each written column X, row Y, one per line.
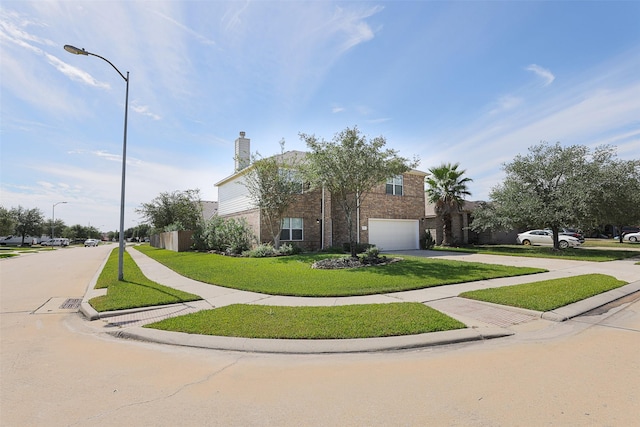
column 472, row 82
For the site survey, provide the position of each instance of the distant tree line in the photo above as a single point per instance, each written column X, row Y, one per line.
column 22, row 222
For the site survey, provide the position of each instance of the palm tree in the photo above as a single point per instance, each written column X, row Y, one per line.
column 446, row 189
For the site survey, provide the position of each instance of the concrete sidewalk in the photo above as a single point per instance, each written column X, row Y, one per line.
column 484, row 320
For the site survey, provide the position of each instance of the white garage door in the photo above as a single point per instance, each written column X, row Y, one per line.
column 394, row 234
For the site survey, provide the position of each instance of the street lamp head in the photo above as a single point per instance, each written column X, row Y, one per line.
column 75, row 50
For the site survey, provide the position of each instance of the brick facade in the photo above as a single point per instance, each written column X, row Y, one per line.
column 328, row 227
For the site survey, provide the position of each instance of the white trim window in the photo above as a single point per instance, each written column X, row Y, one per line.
column 395, row 186
column 291, row 229
column 292, row 176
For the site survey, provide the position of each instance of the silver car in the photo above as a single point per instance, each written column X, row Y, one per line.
column 91, row 242
column 545, row 237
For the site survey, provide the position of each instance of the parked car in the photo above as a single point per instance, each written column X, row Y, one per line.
column 545, row 237
column 630, row 229
column 572, row 232
column 58, row 241
column 91, row 242
column 17, row 241
column 632, row 237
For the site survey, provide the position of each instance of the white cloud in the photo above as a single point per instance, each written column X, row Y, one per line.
column 144, row 110
column 204, row 40
column 545, row 74
column 75, row 73
column 506, row 103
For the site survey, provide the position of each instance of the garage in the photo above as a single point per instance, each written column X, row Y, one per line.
column 394, row 234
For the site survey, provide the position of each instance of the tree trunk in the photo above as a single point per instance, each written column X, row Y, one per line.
column 448, row 233
column 556, row 242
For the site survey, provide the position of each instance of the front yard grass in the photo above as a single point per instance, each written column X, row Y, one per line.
column 576, row 254
column 293, row 275
column 135, row 291
column 335, row 322
column 548, row 294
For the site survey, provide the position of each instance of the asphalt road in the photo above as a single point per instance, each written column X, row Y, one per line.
column 56, row 371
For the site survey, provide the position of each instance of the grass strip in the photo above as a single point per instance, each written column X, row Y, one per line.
column 576, row 254
column 135, row 291
column 335, row 322
column 548, row 294
column 293, row 275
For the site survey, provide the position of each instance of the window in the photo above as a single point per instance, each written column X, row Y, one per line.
column 293, row 177
column 394, row 185
column 291, row 229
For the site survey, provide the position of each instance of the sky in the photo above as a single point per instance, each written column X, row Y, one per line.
column 469, row 82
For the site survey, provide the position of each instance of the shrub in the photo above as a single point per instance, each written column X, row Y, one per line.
column 371, row 256
column 261, row 251
column 289, row 249
column 427, row 241
column 266, row 250
column 360, row 247
column 231, row 236
column 175, row 226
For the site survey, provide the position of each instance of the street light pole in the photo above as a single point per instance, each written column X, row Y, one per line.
column 76, row 51
column 53, row 217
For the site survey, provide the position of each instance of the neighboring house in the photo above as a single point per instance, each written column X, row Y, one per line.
column 389, row 217
column 460, row 223
column 209, row 209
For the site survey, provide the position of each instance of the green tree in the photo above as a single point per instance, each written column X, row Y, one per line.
column 76, row 231
column 548, row 188
column 179, row 208
column 79, row 231
column 350, row 166
column 615, row 196
column 7, row 223
column 27, row 221
column 58, row 227
column 446, row 188
column 273, row 184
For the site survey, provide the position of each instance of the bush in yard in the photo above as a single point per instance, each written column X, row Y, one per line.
column 360, row 247
column 371, row 256
column 289, row 249
column 261, row 251
column 427, row 241
column 230, row 236
column 267, row 250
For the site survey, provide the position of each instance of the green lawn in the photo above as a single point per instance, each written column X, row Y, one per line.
column 609, row 243
column 135, row 291
column 336, row 322
column 293, row 275
column 578, row 254
column 10, row 251
column 549, row 294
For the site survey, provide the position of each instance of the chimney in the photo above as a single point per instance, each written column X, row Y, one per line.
column 243, row 152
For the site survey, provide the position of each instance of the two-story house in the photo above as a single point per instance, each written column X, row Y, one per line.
column 391, row 216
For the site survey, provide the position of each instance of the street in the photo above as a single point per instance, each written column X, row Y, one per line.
column 57, row 371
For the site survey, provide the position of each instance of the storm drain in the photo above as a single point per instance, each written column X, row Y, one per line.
column 71, row 304
column 59, row 305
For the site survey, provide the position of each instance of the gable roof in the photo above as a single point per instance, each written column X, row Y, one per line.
column 287, row 156
column 292, row 157
column 209, row 209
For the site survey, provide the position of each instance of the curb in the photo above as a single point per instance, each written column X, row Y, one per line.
column 578, row 308
column 293, row 346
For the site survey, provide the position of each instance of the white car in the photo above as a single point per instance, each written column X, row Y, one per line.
column 545, row 237
column 91, row 242
column 56, row 242
column 632, row 237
